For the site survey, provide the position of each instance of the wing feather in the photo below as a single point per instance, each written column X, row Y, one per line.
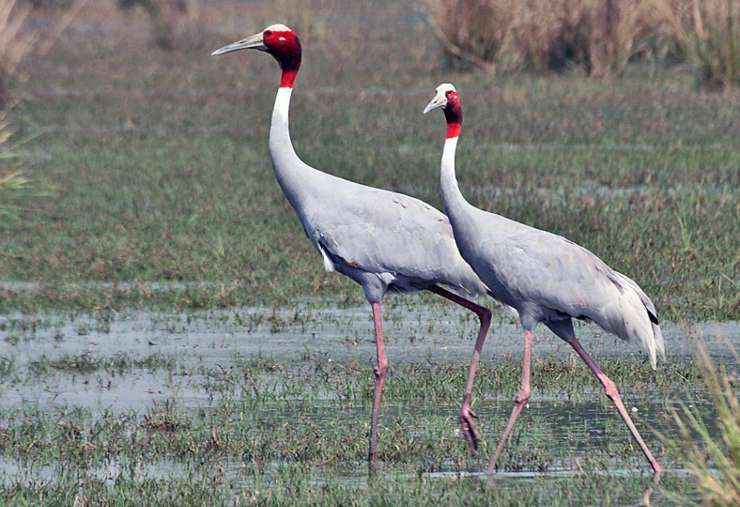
column 379, row 231
column 554, row 274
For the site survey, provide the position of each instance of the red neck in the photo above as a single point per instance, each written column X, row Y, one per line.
column 285, row 47
column 453, row 129
column 453, row 114
column 288, row 78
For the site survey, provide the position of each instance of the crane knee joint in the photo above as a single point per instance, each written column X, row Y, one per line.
column 610, row 388
column 380, row 369
column 485, row 315
column 523, row 395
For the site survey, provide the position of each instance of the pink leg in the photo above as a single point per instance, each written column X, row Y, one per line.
column 470, row 432
column 379, row 370
column 520, row 400
column 613, row 393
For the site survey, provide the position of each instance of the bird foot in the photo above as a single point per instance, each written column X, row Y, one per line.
column 469, row 431
column 657, row 473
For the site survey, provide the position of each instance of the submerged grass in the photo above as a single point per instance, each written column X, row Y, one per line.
column 263, row 440
column 317, row 378
column 164, row 198
column 87, row 363
column 255, row 429
column 263, row 410
column 296, row 487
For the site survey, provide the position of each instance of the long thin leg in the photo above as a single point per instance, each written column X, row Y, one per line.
column 379, row 370
column 520, row 399
column 610, row 388
column 470, row 432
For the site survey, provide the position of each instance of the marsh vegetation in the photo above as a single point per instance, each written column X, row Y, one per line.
column 168, row 335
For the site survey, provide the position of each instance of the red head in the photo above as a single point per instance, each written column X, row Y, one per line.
column 279, row 41
column 447, row 99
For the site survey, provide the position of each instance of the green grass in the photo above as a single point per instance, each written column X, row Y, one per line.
column 158, row 193
column 280, row 402
column 161, row 173
column 711, row 458
column 272, row 429
column 296, row 488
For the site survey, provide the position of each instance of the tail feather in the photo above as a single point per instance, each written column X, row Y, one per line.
column 644, row 321
column 659, row 344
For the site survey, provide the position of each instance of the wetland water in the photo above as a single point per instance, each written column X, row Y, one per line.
column 268, row 378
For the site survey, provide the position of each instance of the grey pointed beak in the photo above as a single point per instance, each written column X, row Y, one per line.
column 436, row 103
column 253, row 42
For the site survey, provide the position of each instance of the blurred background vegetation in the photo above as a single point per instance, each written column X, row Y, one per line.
column 600, row 37
column 128, row 154
column 129, row 158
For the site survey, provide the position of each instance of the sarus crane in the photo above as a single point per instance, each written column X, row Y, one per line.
column 545, row 278
column 385, row 241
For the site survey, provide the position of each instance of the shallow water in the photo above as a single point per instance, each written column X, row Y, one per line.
column 102, row 391
column 213, row 339
column 555, row 434
column 411, row 333
column 240, row 475
column 238, row 472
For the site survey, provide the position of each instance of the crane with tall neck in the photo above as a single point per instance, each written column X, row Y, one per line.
column 385, row 241
column 545, row 278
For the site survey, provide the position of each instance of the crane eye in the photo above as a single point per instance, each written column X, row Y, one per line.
column 267, row 33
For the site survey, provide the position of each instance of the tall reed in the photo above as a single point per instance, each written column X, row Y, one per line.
column 597, row 35
column 18, row 41
column 164, row 16
column 15, row 43
column 708, row 32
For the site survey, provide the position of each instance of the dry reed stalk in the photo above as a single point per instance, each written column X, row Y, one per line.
column 165, row 17
column 708, row 32
column 598, row 35
column 17, row 41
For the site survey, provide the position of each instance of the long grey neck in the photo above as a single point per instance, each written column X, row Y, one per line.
column 455, row 203
column 292, row 174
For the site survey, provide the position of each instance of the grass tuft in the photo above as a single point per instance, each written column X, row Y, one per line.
column 87, row 363
column 713, row 457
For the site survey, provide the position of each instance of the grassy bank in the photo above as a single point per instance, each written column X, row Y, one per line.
column 152, row 189
column 158, row 171
column 279, row 432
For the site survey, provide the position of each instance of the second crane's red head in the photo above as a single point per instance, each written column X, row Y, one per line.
column 447, row 99
column 279, row 41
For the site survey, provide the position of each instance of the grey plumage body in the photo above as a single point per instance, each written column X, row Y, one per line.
column 545, row 277
column 385, row 241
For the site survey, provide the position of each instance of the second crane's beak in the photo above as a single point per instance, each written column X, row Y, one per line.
column 437, row 102
column 253, row 42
